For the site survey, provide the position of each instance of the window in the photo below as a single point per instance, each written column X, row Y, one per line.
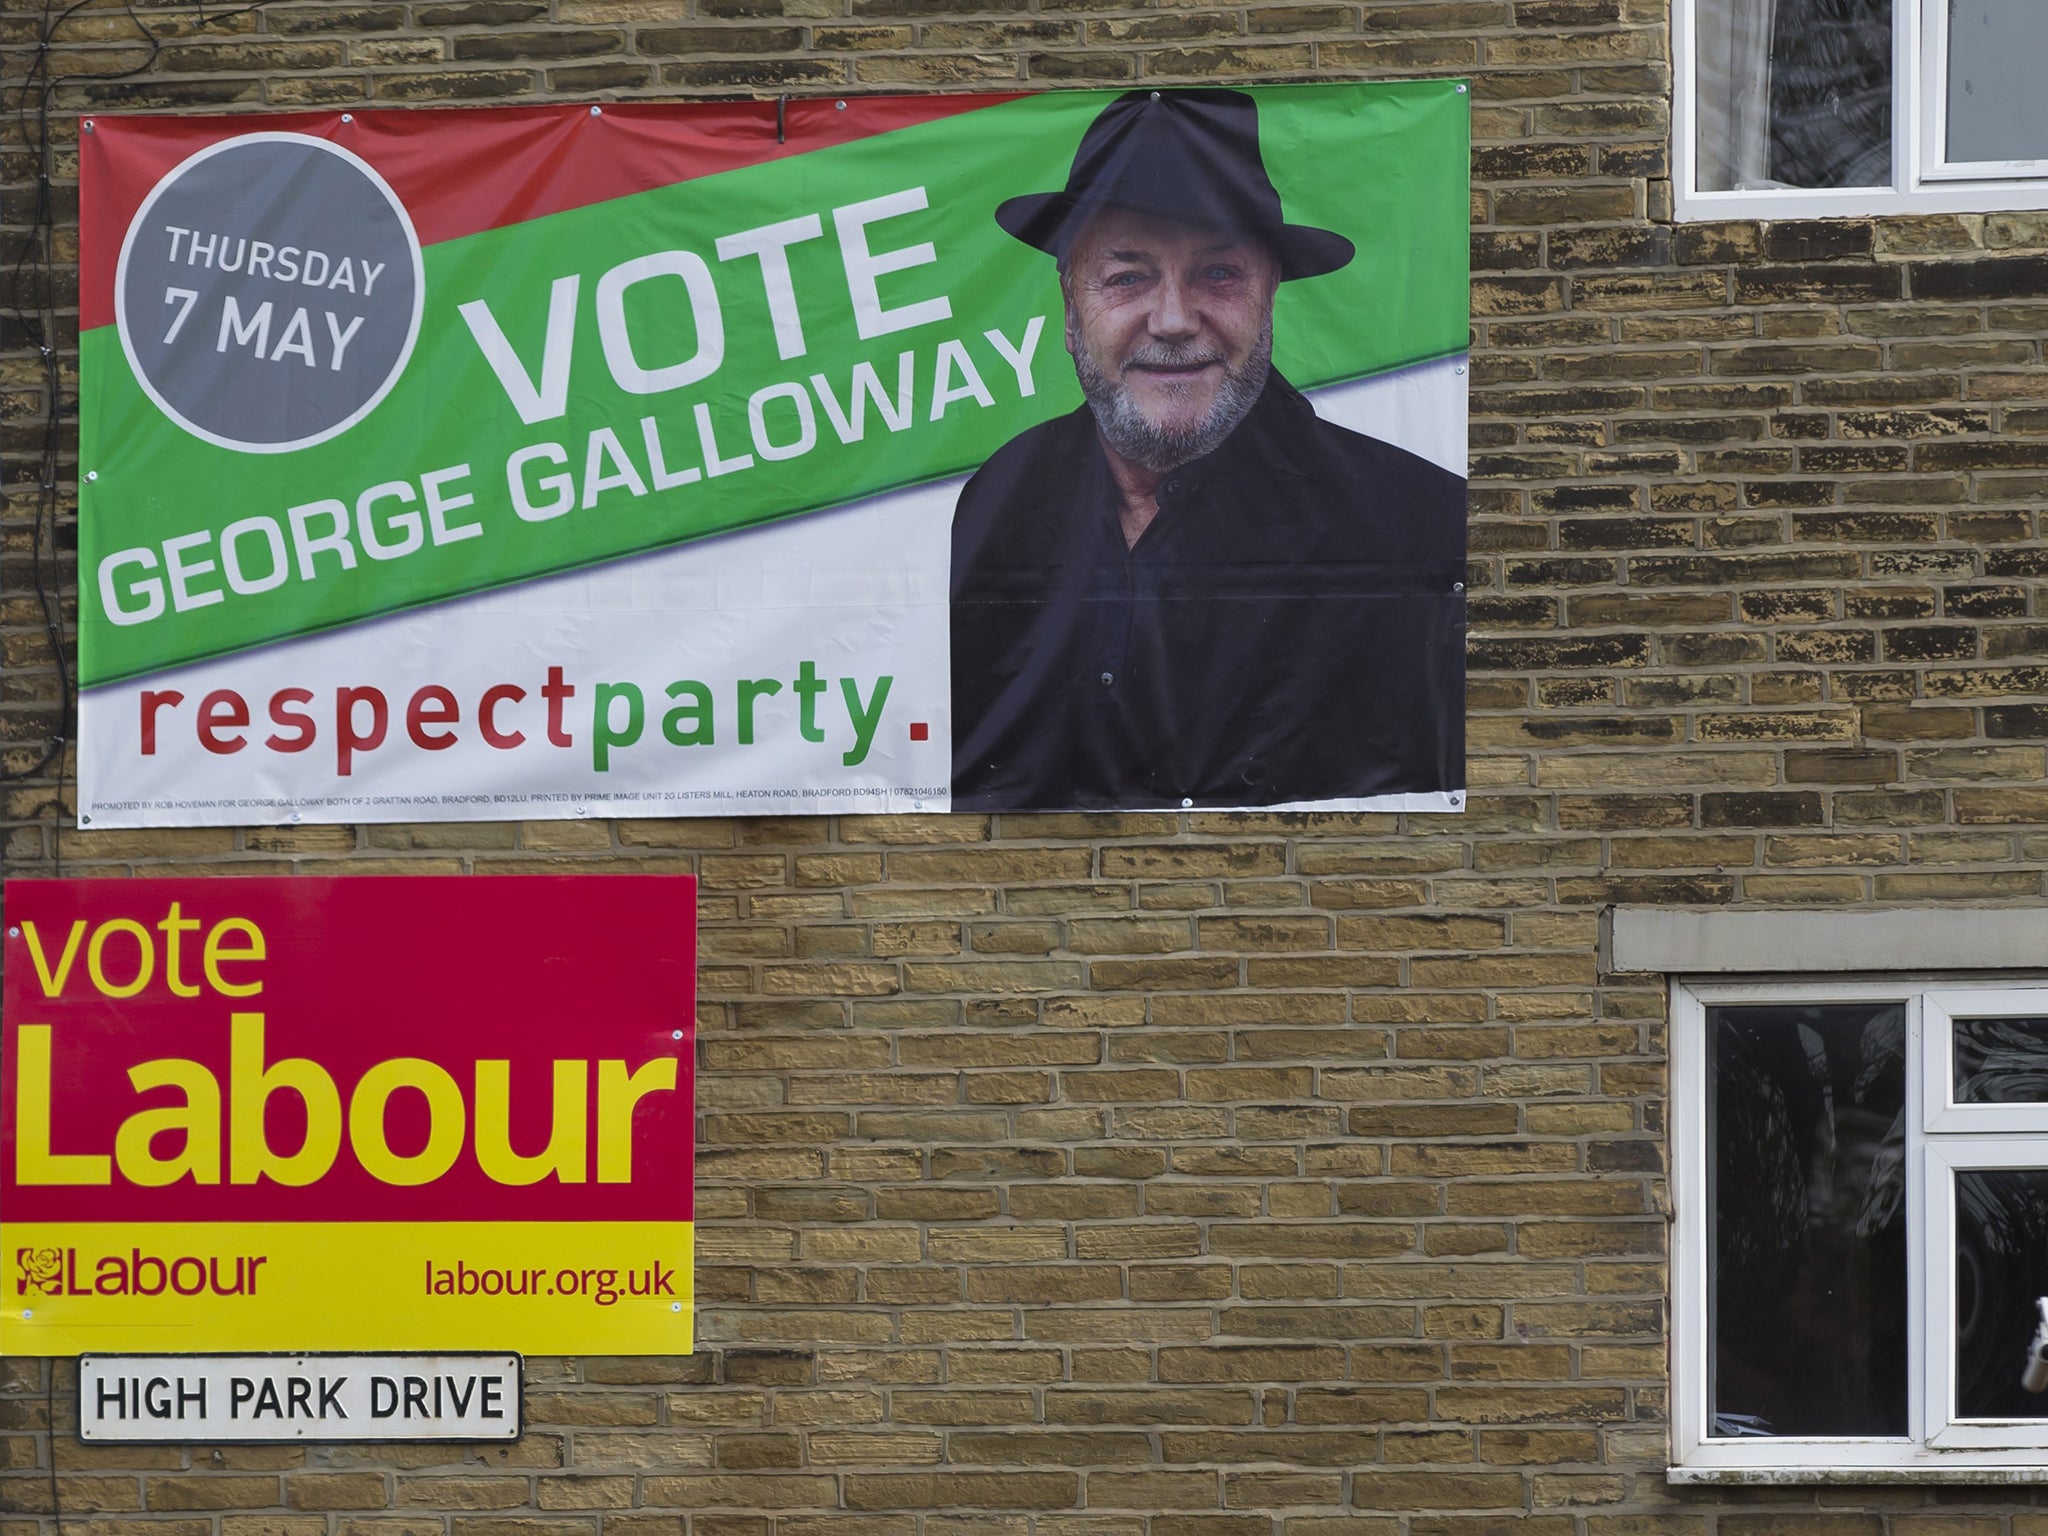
column 1861, row 1183
column 1797, row 108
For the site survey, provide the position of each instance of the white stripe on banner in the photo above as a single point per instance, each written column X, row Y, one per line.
column 797, row 669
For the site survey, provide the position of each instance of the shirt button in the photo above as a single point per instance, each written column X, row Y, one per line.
column 1108, row 679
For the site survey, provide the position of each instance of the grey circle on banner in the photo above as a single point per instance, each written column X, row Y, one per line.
column 269, row 292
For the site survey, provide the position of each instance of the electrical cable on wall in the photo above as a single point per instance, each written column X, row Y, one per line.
column 31, row 304
column 50, row 1428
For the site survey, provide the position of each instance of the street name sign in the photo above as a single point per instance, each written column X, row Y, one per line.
column 126, row 1399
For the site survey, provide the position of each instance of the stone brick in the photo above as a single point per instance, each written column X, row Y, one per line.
column 167, row 1493
column 1464, row 1490
column 961, row 1490
column 336, row 1490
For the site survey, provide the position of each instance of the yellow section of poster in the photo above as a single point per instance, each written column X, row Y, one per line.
column 542, row 1288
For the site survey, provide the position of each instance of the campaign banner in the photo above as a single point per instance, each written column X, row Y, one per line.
column 380, row 1113
column 1077, row 450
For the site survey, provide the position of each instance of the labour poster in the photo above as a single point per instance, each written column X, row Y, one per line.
column 1070, row 451
column 379, row 1113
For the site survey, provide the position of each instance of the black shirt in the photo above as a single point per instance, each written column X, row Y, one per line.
column 1290, row 626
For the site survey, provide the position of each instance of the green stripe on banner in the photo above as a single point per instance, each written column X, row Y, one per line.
column 929, row 399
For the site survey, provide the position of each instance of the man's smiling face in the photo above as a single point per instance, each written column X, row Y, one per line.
column 1171, row 328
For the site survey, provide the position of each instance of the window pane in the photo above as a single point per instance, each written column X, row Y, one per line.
column 2001, row 1267
column 1996, row 108
column 1807, row 1194
column 2001, row 1061
column 1794, row 93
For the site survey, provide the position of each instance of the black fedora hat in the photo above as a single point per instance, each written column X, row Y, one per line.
column 1192, row 156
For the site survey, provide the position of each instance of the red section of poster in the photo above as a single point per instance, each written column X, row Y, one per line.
column 374, row 1049
column 519, row 163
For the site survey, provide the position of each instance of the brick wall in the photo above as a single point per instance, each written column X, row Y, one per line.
column 1213, row 1175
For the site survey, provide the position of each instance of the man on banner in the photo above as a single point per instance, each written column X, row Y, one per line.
column 1193, row 590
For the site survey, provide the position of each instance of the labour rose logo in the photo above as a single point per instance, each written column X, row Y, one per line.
column 42, row 1269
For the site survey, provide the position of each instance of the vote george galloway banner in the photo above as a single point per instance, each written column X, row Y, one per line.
column 1084, row 450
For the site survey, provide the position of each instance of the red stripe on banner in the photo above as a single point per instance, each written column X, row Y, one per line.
column 461, row 171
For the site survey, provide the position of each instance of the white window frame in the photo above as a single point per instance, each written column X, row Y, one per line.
column 1935, row 163
column 1940, row 1137
column 1945, row 1155
column 1922, row 180
column 1942, row 1006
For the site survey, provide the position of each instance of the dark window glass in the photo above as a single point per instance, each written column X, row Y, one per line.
column 1794, row 93
column 1807, row 1194
column 1831, row 93
column 2001, row 1267
column 2001, row 1061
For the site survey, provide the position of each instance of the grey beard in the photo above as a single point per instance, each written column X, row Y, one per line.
column 1125, row 429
